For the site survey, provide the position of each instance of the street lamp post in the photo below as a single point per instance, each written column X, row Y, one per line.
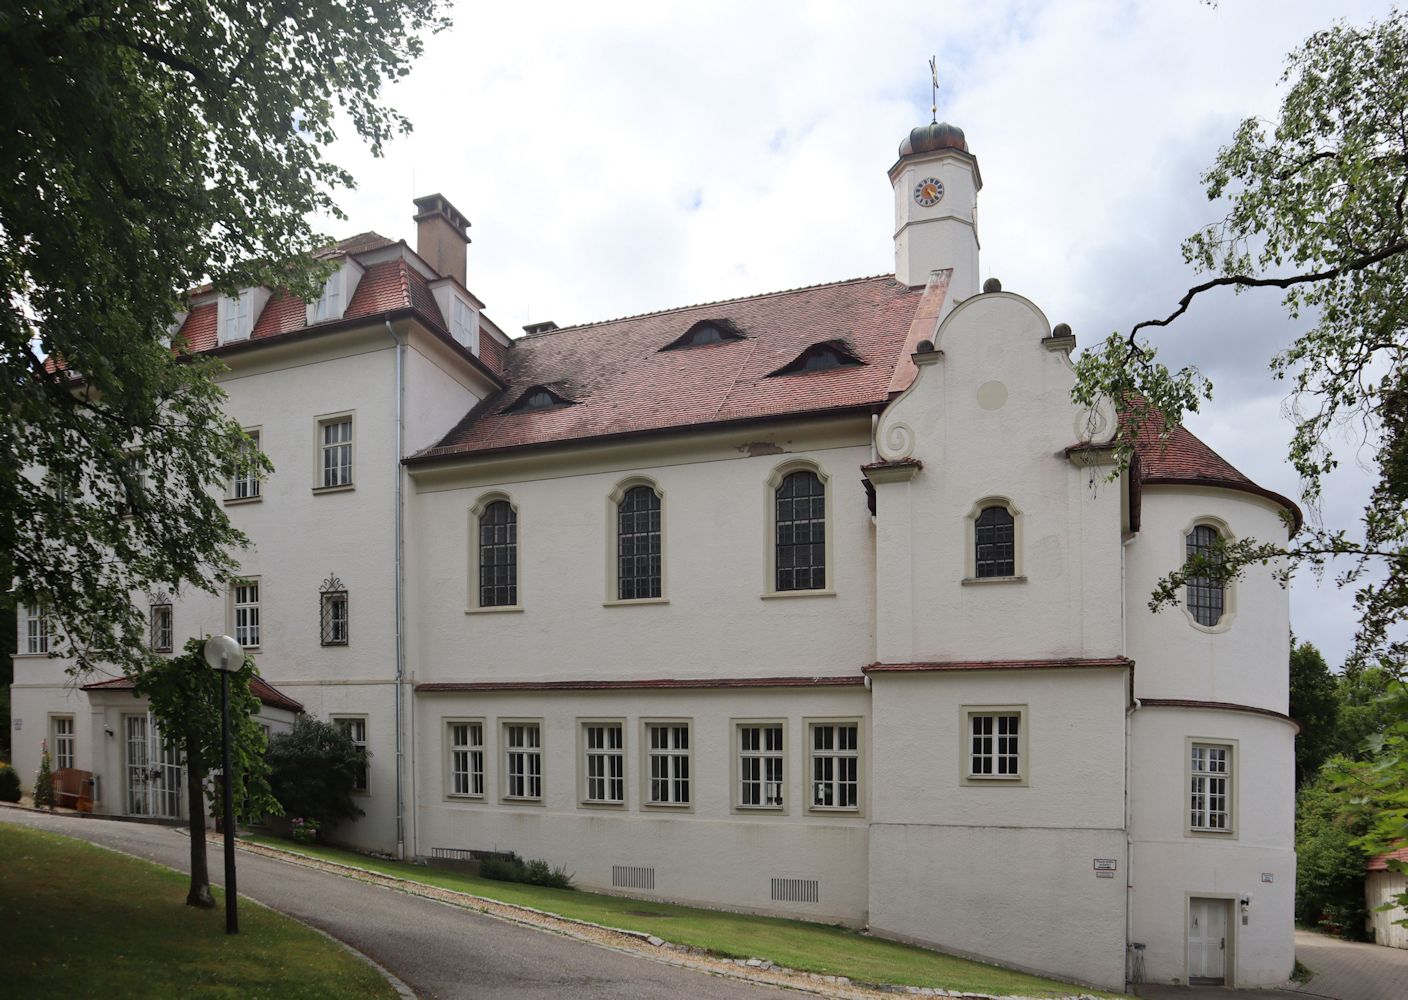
column 227, row 656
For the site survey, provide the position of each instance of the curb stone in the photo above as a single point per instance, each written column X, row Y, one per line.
column 756, row 970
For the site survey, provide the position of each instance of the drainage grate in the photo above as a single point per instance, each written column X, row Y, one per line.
column 796, row 890
column 632, row 877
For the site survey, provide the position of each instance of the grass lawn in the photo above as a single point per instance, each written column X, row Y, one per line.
column 832, row 951
column 77, row 920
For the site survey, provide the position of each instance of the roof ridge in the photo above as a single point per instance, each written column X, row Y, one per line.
column 702, row 305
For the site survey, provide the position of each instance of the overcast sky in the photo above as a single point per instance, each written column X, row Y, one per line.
column 620, row 158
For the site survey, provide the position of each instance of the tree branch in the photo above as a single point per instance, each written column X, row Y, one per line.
column 1245, row 281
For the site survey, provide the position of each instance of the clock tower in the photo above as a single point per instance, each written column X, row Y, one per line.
column 936, row 184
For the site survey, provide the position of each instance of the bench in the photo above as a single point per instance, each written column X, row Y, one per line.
column 73, row 789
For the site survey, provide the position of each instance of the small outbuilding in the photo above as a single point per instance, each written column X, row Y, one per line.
column 1383, row 885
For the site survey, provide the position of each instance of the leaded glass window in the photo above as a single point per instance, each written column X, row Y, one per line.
column 994, row 535
column 638, row 544
column 800, row 527
column 1206, row 597
column 498, row 556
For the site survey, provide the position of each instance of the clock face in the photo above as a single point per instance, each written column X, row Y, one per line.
column 929, row 191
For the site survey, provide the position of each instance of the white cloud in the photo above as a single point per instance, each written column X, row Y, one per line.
column 616, row 158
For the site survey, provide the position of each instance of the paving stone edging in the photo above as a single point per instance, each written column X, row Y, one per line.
column 640, row 943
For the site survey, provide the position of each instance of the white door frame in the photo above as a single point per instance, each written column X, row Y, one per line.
column 157, row 790
column 1229, row 955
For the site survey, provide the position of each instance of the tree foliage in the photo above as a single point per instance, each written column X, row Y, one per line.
column 313, row 770
column 1315, row 704
column 1329, row 858
column 1317, row 205
column 184, row 696
column 150, row 147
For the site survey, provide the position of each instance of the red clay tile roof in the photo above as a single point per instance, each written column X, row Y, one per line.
column 259, row 687
column 198, row 331
column 1181, row 459
column 963, row 665
column 284, row 313
column 622, row 382
column 700, row 683
column 1380, row 863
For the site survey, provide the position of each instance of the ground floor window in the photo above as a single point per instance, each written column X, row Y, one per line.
column 835, row 765
column 355, row 726
column 466, row 758
column 760, row 758
column 668, row 755
column 994, row 749
column 603, row 746
column 1210, row 779
column 523, row 760
column 63, row 741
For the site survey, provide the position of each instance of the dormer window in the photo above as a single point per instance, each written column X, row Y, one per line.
column 705, row 332
column 821, row 357
column 237, row 314
column 464, row 325
column 337, row 293
column 537, row 397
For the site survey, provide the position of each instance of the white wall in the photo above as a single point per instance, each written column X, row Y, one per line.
column 714, row 622
column 1245, row 660
column 1172, row 863
column 711, row 853
column 1002, row 871
column 991, row 417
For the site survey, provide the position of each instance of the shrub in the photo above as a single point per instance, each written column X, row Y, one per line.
column 535, row 872
column 44, row 780
column 303, row 831
column 9, row 784
column 1330, row 864
column 313, row 770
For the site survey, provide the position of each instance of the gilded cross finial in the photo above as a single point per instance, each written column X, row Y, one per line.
column 934, row 93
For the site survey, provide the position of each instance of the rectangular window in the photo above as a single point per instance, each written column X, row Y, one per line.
column 835, row 766
column 668, row 755
column 335, row 452
column 604, row 748
column 356, row 729
column 63, row 741
column 161, row 628
column 35, row 637
column 1210, row 778
column 244, row 596
column 760, row 766
column 245, row 484
column 523, row 760
column 464, row 325
column 334, row 618
column 994, row 745
column 135, row 481
column 466, row 758
column 329, row 304
column 239, row 316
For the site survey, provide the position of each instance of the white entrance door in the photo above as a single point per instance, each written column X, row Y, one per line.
column 154, row 777
column 1207, row 940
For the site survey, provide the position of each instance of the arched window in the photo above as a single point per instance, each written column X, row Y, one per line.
column 800, row 532
column 1206, row 596
column 638, row 544
column 498, row 555
column 994, row 543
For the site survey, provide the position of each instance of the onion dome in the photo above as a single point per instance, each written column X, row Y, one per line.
column 932, row 137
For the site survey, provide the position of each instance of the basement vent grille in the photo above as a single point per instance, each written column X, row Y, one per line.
column 796, row 890
column 632, row 877
column 463, row 854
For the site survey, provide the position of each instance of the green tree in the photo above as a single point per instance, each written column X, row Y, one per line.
column 1315, row 704
column 313, row 771
column 1317, row 206
column 184, row 695
column 44, row 780
column 150, row 147
column 1329, row 856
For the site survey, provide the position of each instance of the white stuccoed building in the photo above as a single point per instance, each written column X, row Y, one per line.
column 816, row 603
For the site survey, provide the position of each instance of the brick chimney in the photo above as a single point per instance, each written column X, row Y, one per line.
column 441, row 235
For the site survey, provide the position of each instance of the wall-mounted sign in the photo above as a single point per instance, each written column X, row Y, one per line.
column 1268, row 877
column 1106, row 865
column 1104, row 874
column 19, row 723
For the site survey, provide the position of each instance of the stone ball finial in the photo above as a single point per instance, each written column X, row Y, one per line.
column 1061, row 330
column 992, row 285
column 924, row 347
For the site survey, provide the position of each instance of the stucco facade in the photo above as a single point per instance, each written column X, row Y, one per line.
column 821, row 603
